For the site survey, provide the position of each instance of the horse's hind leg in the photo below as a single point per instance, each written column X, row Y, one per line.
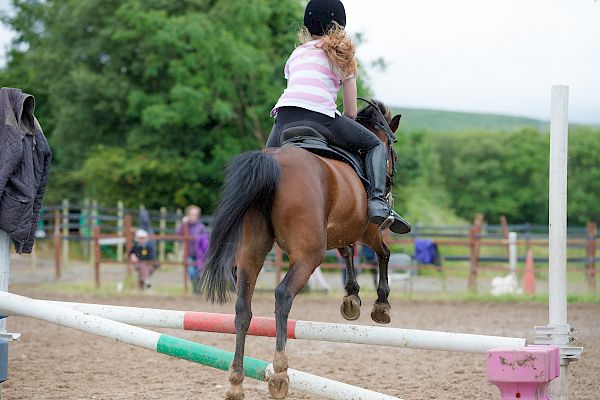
column 257, row 242
column 243, row 316
column 381, row 308
column 350, row 307
column 300, row 270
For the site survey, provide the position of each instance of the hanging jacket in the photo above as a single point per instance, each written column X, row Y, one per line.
column 426, row 252
column 25, row 158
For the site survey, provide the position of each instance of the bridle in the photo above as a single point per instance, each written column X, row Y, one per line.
column 383, row 125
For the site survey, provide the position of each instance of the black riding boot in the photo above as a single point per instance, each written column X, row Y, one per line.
column 379, row 211
column 400, row 225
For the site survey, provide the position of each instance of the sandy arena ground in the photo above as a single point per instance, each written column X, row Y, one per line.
column 52, row 362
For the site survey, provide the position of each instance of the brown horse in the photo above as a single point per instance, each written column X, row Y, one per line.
column 307, row 204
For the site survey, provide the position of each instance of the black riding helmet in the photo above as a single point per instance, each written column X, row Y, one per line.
column 319, row 15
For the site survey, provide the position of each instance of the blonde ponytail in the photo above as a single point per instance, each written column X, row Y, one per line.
column 338, row 46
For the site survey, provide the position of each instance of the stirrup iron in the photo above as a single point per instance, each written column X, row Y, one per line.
column 387, row 223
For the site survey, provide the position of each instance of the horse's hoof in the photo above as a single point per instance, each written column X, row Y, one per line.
column 235, row 393
column 350, row 307
column 381, row 313
column 279, row 383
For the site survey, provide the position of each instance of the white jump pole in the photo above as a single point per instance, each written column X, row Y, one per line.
column 558, row 331
column 559, row 132
column 557, row 300
column 307, row 330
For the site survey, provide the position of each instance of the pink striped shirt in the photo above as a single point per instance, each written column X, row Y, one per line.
column 313, row 83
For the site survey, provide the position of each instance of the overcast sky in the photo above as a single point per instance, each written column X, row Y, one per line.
column 477, row 55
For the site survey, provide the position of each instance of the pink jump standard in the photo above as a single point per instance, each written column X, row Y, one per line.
column 523, row 373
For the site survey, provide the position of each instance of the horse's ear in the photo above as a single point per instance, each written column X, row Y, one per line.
column 395, row 123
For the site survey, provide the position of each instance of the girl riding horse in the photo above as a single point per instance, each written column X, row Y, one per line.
column 305, row 203
column 315, row 71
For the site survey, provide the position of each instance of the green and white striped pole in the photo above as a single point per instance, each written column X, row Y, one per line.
column 11, row 304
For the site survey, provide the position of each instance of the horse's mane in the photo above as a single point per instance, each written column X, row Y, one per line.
column 368, row 114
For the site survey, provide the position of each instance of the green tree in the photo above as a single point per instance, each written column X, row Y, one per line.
column 165, row 81
column 506, row 173
column 496, row 173
column 583, row 196
column 180, row 85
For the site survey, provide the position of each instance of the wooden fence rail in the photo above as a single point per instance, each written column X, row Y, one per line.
column 98, row 225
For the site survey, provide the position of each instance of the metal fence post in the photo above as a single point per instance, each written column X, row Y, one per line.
column 162, row 231
column 120, row 222
column 65, row 231
column 85, row 230
column 57, row 244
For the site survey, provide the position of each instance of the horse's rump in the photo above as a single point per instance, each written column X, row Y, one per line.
column 318, row 196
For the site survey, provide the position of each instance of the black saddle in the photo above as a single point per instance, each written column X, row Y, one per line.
column 310, row 139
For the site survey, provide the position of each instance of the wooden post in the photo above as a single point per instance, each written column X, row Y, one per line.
column 57, row 244
column 120, row 217
column 128, row 239
column 65, row 231
column 97, row 255
column 474, row 252
column 504, row 225
column 186, row 254
column 162, row 231
column 177, row 245
column 592, row 231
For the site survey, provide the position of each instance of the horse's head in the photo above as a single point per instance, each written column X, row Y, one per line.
column 378, row 119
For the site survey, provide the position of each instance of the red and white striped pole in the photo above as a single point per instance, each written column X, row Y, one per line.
column 308, row 330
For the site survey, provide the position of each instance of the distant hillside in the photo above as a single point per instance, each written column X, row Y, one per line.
column 436, row 120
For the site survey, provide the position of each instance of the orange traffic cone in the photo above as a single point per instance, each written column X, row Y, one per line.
column 529, row 276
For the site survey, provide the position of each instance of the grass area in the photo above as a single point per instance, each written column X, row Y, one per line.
column 461, row 297
column 109, row 291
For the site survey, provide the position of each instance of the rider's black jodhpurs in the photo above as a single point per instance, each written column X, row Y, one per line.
column 340, row 131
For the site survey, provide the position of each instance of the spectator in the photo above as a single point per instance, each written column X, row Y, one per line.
column 143, row 258
column 201, row 245
column 199, row 241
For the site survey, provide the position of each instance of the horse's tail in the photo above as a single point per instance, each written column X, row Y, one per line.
column 251, row 182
